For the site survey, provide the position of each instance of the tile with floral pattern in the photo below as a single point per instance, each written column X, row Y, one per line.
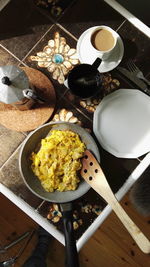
column 54, row 55
column 85, row 211
column 65, row 111
column 53, row 8
column 57, row 57
column 88, row 106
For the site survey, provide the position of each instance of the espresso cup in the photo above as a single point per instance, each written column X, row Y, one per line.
column 103, row 41
column 85, row 80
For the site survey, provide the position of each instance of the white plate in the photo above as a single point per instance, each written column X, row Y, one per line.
column 86, row 54
column 122, row 123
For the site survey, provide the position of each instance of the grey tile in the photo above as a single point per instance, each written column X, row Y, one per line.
column 10, row 177
column 137, row 46
column 23, row 29
column 9, row 141
column 6, row 58
column 85, row 14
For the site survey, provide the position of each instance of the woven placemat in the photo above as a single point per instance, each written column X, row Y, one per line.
column 28, row 120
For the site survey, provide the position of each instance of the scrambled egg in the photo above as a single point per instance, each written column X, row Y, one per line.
column 58, row 161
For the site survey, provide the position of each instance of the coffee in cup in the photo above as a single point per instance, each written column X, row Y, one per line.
column 103, row 40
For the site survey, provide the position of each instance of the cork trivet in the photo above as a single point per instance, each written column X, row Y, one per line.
column 28, row 120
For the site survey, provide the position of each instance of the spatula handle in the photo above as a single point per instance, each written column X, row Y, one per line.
column 105, row 191
column 140, row 239
column 94, row 176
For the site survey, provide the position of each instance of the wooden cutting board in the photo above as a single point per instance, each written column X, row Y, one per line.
column 28, row 120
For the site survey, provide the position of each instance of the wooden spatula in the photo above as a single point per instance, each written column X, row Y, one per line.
column 93, row 175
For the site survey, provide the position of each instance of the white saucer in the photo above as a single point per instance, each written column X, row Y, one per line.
column 86, row 55
column 121, row 123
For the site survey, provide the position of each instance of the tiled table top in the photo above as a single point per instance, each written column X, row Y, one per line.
column 27, row 33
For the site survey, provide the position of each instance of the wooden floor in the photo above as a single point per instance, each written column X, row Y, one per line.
column 110, row 246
